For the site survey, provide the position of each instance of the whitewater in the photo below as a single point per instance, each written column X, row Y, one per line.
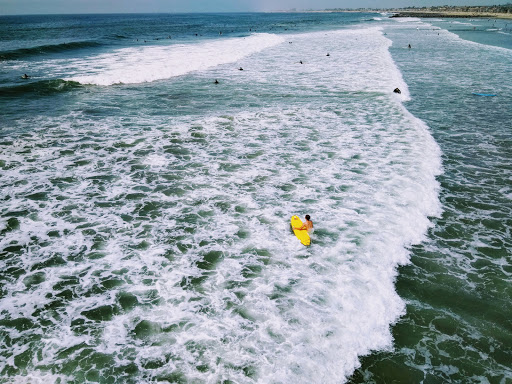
column 145, row 220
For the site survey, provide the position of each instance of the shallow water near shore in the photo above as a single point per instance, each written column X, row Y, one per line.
column 457, row 288
column 494, row 32
column 145, row 210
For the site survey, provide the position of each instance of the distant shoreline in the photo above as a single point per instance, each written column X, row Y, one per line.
column 453, row 14
column 422, row 13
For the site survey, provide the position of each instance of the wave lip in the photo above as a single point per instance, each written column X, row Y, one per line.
column 146, row 64
column 41, row 87
column 22, row 53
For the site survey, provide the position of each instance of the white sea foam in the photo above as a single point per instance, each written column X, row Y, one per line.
column 201, row 238
column 407, row 19
column 146, row 64
column 38, row 377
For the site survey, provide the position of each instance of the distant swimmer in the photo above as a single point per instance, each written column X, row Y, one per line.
column 328, row 54
column 25, row 76
column 216, row 81
column 409, row 46
column 397, row 90
column 307, row 226
column 301, row 62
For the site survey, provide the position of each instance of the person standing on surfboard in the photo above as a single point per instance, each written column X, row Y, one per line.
column 308, row 225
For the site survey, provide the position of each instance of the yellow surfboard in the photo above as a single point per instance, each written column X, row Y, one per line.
column 302, row 235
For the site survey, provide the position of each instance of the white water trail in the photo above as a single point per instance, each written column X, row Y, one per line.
column 146, row 64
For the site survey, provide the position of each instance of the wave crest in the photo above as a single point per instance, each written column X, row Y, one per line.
column 146, row 64
column 18, row 54
column 42, row 87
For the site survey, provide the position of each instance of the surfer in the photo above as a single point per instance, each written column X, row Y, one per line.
column 25, row 76
column 308, row 225
column 216, row 81
column 397, row 90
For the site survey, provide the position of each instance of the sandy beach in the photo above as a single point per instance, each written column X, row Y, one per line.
column 454, row 14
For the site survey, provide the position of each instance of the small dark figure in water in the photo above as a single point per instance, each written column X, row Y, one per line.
column 409, row 46
column 216, row 81
column 240, row 69
column 301, row 62
column 25, row 76
column 397, row 90
column 328, row 54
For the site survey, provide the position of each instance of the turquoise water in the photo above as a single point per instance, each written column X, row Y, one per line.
column 495, row 32
column 145, row 210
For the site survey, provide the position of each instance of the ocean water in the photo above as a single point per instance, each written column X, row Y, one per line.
column 144, row 215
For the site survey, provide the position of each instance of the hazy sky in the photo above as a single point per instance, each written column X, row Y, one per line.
column 120, row 6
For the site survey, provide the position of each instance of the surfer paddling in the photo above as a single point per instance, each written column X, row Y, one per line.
column 307, row 226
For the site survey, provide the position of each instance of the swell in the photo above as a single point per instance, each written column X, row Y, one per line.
column 41, row 87
column 18, row 54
